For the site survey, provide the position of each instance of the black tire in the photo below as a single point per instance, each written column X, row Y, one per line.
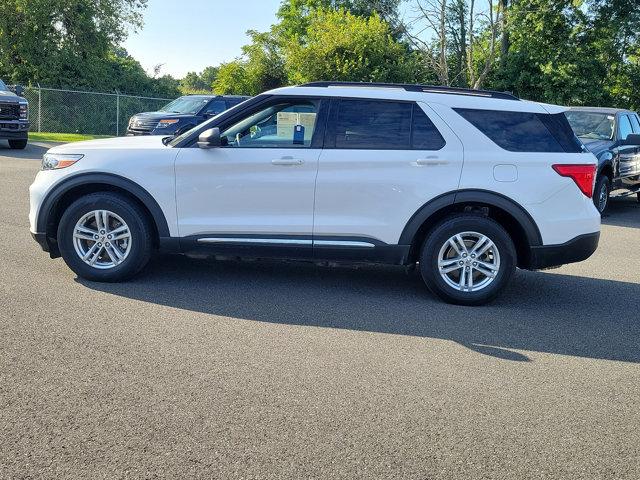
column 139, row 228
column 18, row 144
column 440, row 235
column 601, row 193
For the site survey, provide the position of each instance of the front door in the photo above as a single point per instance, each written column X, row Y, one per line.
column 258, row 187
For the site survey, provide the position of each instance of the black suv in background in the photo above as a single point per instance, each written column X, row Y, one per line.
column 14, row 116
column 181, row 115
column 612, row 135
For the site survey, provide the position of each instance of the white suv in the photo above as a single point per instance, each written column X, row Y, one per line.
column 466, row 184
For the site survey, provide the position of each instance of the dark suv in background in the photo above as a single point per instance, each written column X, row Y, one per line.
column 613, row 136
column 181, row 115
column 14, row 116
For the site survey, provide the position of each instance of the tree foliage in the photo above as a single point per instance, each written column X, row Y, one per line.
column 73, row 43
column 341, row 46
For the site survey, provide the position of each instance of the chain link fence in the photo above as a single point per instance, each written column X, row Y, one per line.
column 91, row 113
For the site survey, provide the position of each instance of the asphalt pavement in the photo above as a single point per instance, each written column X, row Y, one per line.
column 222, row 369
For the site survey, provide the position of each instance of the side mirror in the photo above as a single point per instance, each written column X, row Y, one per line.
column 210, row 138
column 19, row 90
column 632, row 139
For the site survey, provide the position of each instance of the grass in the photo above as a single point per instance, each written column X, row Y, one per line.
column 62, row 137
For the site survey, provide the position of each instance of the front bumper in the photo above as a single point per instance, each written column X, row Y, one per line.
column 575, row 250
column 14, row 129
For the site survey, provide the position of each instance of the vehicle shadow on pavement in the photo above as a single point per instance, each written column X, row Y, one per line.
column 33, row 151
column 623, row 212
column 541, row 312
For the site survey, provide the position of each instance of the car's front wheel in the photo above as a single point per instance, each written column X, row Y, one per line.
column 467, row 259
column 18, row 144
column 105, row 237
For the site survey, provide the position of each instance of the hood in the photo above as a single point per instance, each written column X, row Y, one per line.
column 115, row 143
column 6, row 95
column 597, row 146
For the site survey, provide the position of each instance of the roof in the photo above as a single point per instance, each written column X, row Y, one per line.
column 607, row 110
column 453, row 98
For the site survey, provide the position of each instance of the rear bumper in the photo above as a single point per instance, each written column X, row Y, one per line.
column 575, row 250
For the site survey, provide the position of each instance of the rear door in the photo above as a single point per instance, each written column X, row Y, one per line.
column 382, row 161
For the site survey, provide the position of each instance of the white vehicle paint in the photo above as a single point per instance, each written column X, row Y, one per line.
column 300, row 174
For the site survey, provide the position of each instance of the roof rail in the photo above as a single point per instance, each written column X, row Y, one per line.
column 419, row 88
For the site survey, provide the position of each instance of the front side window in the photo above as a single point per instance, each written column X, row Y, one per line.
column 215, row 107
column 3, row 87
column 285, row 125
column 520, row 131
column 624, row 127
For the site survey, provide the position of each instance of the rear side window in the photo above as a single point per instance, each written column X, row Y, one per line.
column 364, row 124
column 424, row 134
column 383, row 125
column 524, row 131
column 635, row 123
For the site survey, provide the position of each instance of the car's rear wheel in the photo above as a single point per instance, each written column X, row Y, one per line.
column 601, row 193
column 18, row 144
column 105, row 237
column 467, row 259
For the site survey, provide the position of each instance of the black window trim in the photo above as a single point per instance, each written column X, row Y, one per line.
column 332, row 122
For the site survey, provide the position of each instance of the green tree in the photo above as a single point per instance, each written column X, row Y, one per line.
column 342, row 46
column 231, row 79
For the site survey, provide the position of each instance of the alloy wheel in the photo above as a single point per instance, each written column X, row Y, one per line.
column 469, row 261
column 102, row 239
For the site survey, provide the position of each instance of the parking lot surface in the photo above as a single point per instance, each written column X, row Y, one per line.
column 205, row 369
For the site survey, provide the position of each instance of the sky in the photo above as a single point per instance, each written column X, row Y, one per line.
column 190, row 35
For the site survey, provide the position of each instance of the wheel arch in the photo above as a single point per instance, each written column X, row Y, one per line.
column 72, row 188
column 508, row 213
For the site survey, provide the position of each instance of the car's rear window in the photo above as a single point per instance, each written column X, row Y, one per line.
column 524, row 131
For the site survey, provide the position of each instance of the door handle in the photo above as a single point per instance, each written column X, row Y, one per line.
column 431, row 160
column 287, row 161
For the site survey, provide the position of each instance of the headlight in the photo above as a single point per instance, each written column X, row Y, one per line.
column 56, row 161
column 24, row 111
column 166, row 123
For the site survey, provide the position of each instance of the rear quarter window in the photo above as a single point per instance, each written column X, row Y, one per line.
column 524, row 131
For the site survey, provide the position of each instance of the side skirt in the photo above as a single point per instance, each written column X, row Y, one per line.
column 335, row 249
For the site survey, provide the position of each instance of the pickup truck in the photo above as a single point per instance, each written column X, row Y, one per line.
column 613, row 136
column 14, row 116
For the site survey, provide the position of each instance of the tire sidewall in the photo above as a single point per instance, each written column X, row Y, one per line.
column 18, row 144
column 603, row 181
column 441, row 234
column 140, row 237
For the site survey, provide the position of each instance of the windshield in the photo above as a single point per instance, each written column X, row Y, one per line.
column 591, row 125
column 3, row 87
column 185, row 105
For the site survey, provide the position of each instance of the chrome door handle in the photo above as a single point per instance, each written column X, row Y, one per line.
column 431, row 161
column 287, row 161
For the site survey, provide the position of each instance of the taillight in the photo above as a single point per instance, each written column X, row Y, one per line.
column 583, row 175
